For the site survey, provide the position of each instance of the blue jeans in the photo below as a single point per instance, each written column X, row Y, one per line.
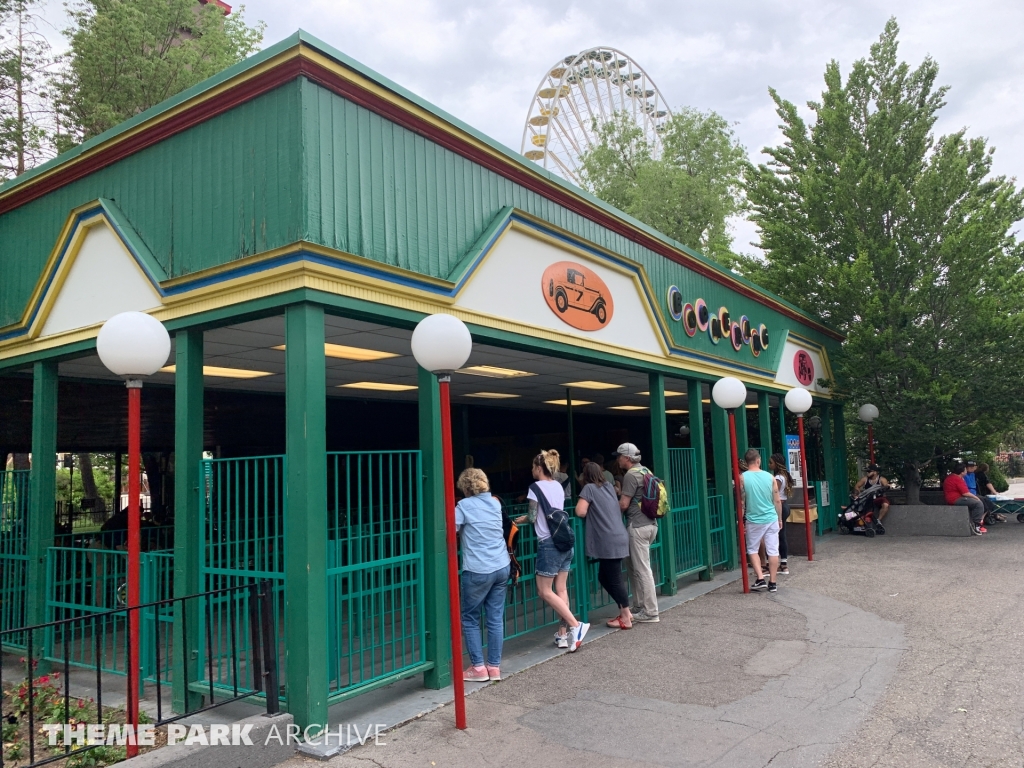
column 484, row 591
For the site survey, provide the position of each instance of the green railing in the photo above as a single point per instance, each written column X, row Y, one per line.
column 719, row 535
column 152, row 538
column 374, row 568
column 686, row 524
column 86, row 581
column 14, row 496
column 244, row 507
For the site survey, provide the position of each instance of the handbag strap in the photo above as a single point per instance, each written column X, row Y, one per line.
column 542, row 500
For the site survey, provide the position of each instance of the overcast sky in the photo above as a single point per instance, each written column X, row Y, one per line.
column 481, row 61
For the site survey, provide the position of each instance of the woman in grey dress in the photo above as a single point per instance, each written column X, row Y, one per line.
column 606, row 538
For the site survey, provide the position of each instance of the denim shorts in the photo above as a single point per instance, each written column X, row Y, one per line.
column 551, row 562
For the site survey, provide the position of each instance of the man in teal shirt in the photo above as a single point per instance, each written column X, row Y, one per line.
column 762, row 510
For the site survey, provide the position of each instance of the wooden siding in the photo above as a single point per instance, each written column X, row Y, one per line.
column 221, row 191
column 381, row 191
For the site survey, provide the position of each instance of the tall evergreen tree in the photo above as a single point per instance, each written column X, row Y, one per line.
column 904, row 242
column 26, row 114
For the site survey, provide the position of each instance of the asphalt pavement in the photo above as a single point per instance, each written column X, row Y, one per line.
column 887, row 652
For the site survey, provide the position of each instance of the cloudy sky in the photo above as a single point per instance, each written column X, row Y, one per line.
column 481, row 60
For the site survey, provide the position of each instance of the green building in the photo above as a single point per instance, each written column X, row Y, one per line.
column 290, row 221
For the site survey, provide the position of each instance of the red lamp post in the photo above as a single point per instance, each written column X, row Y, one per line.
column 133, row 345
column 442, row 344
column 868, row 413
column 799, row 401
column 729, row 393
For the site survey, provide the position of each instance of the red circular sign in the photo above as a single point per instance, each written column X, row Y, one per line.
column 803, row 367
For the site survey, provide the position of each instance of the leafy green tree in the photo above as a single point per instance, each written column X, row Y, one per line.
column 904, row 242
column 125, row 56
column 688, row 193
column 25, row 104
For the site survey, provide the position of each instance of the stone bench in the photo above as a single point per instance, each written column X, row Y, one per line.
column 927, row 520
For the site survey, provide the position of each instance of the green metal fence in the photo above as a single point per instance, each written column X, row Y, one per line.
column 83, row 581
column 244, row 507
column 719, row 535
column 689, row 538
column 374, row 568
column 14, row 497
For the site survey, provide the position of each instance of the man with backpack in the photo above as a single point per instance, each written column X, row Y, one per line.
column 642, row 529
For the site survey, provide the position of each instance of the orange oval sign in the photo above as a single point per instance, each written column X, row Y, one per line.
column 577, row 295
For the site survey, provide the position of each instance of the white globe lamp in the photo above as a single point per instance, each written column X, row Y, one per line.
column 867, row 413
column 729, row 393
column 133, row 344
column 442, row 344
column 798, row 401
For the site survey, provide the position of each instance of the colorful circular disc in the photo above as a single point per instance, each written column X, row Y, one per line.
column 703, row 314
column 755, row 343
column 675, row 302
column 763, row 333
column 689, row 319
column 736, row 336
column 723, row 319
column 745, row 329
column 714, row 330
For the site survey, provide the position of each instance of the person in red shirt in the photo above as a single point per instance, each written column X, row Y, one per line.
column 957, row 494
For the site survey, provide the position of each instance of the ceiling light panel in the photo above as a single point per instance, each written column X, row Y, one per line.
column 215, row 371
column 379, row 386
column 668, row 393
column 592, row 385
column 565, row 402
column 627, row 407
column 359, row 354
column 494, row 372
column 492, row 395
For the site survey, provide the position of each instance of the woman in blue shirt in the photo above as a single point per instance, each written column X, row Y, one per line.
column 485, row 572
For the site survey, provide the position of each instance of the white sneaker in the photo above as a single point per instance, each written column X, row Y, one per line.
column 576, row 635
column 562, row 641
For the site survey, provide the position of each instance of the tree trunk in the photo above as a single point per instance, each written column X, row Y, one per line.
column 89, row 482
column 912, row 482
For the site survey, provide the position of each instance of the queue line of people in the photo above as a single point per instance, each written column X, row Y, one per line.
column 487, row 560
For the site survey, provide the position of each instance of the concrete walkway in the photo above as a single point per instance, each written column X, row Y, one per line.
column 885, row 652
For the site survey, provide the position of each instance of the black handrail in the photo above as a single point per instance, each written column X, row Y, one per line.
column 262, row 658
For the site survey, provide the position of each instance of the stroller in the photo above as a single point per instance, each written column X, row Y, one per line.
column 859, row 515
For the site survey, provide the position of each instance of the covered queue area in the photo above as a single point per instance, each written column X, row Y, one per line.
column 289, row 222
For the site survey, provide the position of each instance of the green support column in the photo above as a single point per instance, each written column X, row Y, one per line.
column 723, row 476
column 742, row 436
column 437, row 645
column 842, row 472
column 764, row 422
column 305, row 613
column 782, row 426
column 700, row 471
column 42, row 495
column 188, row 452
column 659, row 458
column 829, row 462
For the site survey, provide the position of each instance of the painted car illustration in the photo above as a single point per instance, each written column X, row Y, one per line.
column 572, row 292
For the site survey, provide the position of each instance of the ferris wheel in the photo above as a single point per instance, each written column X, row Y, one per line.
column 580, row 93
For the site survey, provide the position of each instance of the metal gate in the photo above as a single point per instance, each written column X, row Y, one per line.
column 685, row 511
column 14, row 496
column 374, row 568
column 243, row 503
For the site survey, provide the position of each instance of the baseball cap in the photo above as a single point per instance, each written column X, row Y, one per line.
column 873, row 468
column 628, row 450
column 971, row 463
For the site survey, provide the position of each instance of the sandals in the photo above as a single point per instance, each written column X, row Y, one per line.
column 616, row 623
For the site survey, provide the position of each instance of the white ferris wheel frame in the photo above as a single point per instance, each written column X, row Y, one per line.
column 596, row 91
